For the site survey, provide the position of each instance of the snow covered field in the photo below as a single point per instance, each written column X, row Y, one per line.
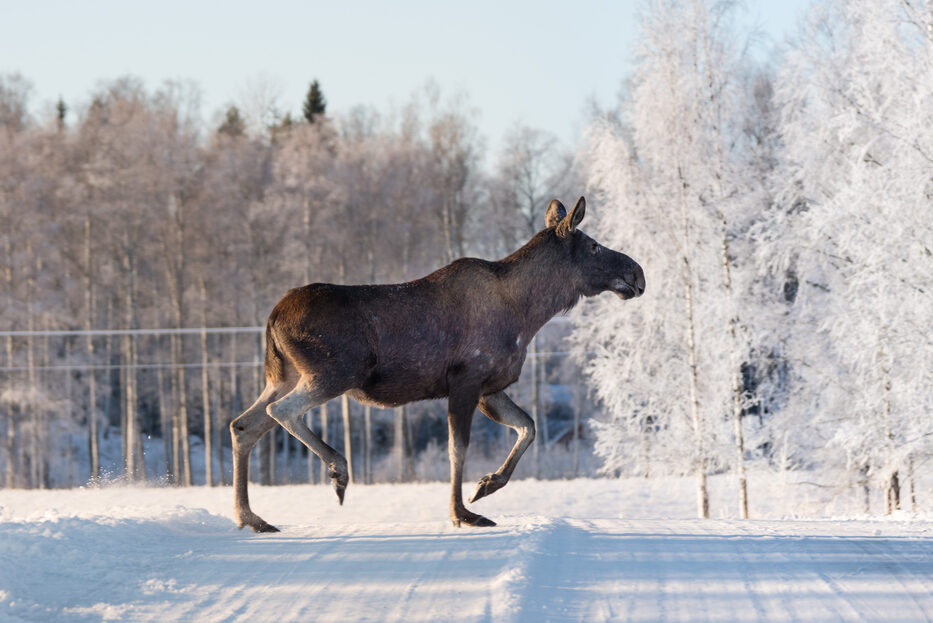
column 581, row 550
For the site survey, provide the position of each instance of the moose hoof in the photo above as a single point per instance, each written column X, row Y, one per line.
column 264, row 527
column 256, row 524
column 490, row 483
column 340, row 480
column 473, row 520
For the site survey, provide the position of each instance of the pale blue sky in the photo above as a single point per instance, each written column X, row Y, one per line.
column 533, row 61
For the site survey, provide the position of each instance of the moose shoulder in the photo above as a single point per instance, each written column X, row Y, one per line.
column 460, row 333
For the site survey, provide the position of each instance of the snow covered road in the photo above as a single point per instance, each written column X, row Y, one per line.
column 560, row 553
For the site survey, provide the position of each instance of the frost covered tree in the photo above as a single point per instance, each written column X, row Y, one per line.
column 854, row 229
column 14, row 97
column 454, row 147
column 672, row 172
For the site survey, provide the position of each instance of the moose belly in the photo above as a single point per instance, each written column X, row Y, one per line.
column 398, row 387
column 391, row 387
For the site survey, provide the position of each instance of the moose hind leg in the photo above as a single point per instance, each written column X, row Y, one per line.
column 289, row 410
column 245, row 431
column 460, row 409
column 500, row 409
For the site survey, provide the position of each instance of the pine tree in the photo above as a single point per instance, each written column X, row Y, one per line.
column 61, row 111
column 281, row 127
column 315, row 104
column 233, row 124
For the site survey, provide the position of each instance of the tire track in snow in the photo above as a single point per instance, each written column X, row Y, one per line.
column 913, row 586
column 258, row 583
column 761, row 554
column 409, row 573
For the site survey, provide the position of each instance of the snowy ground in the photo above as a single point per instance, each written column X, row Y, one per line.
column 582, row 550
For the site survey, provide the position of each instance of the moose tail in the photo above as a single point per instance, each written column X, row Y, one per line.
column 275, row 362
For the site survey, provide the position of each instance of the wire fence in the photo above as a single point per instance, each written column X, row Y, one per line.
column 80, row 406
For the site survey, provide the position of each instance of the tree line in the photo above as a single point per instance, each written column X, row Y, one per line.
column 126, row 211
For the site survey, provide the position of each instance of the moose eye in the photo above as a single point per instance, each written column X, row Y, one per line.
column 594, row 248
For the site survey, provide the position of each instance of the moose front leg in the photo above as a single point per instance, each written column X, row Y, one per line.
column 460, row 407
column 500, row 409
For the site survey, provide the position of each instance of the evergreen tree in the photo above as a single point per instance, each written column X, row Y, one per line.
column 281, row 127
column 315, row 104
column 61, row 111
column 233, row 124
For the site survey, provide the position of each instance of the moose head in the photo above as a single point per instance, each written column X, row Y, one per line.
column 598, row 268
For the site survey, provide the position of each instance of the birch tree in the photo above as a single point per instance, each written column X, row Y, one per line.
column 854, row 228
column 672, row 174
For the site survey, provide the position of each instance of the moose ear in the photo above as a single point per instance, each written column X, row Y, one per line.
column 555, row 213
column 570, row 222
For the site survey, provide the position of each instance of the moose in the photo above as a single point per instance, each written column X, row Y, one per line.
column 460, row 333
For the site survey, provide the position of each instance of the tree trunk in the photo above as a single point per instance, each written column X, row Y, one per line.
column 221, row 424
column 122, row 399
column 312, row 475
column 578, row 403
column 347, row 434
column 129, row 410
column 93, row 436
column 175, row 387
column 785, row 468
column 10, row 440
column 11, row 411
column 446, row 226
column 235, row 404
column 141, row 473
column 535, row 447
column 205, row 394
column 698, row 428
column 715, row 111
column 165, row 423
column 126, row 347
column 324, row 438
column 134, row 448
column 736, row 376
column 45, row 474
column 69, row 415
column 31, row 375
column 265, row 446
column 132, row 433
column 646, row 436
column 892, row 496
column 175, row 261
column 866, row 468
column 368, row 445
column 271, row 456
column 112, row 350
column 400, row 449
column 409, row 446
column 181, row 450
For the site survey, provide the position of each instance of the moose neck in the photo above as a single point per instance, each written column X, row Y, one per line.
column 541, row 282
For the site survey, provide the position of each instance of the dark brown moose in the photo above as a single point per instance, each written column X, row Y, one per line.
column 460, row 333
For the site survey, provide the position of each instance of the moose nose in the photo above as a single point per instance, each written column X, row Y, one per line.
column 639, row 281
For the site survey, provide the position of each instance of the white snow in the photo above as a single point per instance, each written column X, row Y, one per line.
column 580, row 550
